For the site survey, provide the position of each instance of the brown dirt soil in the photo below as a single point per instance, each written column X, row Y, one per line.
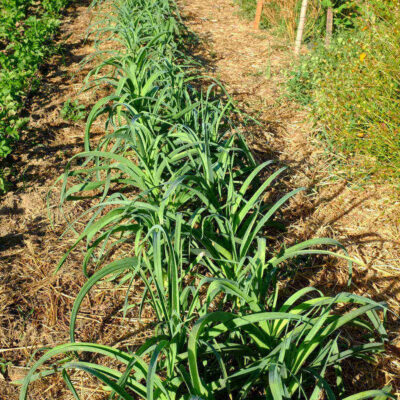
column 365, row 219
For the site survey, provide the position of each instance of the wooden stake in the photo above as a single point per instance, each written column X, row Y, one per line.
column 300, row 29
column 329, row 26
column 257, row 20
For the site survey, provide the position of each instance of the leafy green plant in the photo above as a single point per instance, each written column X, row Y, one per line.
column 4, row 364
column 283, row 353
column 73, row 111
column 25, row 30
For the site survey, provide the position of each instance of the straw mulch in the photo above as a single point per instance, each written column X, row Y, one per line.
column 366, row 219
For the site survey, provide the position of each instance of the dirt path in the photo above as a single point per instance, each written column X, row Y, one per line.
column 366, row 220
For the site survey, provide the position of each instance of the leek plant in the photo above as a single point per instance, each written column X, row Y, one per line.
column 178, row 195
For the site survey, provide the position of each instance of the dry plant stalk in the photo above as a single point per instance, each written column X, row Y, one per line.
column 284, row 14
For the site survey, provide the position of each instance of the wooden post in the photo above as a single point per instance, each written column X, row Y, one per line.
column 300, row 29
column 258, row 14
column 329, row 26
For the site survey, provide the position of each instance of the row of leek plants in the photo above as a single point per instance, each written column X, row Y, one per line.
column 178, row 195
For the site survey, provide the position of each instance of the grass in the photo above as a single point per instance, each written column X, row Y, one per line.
column 179, row 204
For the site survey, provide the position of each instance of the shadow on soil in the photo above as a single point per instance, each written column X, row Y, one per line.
column 35, row 145
column 39, row 156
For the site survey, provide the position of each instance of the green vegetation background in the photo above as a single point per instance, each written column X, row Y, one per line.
column 26, row 26
column 352, row 87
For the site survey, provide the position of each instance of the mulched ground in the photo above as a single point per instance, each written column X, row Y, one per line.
column 35, row 304
column 252, row 65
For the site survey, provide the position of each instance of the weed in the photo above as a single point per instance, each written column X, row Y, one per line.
column 213, row 54
column 73, row 111
column 4, row 364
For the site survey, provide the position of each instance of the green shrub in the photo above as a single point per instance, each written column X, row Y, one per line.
column 353, row 88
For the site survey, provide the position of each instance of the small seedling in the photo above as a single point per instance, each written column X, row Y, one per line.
column 73, row 111
column 4, row 364
column 213, row 54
